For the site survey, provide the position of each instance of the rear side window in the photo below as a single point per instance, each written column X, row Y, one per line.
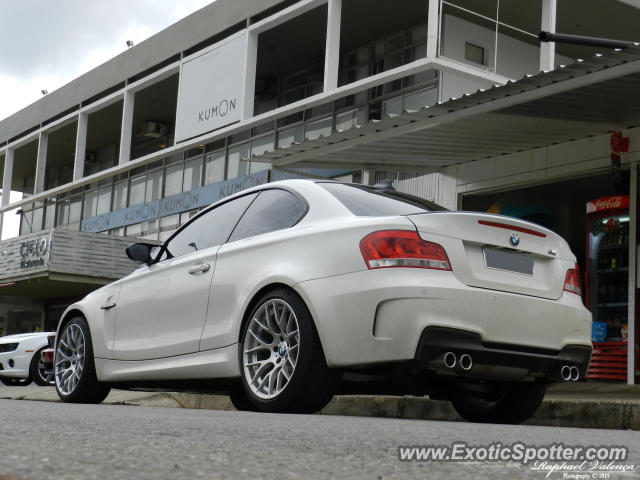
column 368, row 202
column 209, row 229
column 272, row 210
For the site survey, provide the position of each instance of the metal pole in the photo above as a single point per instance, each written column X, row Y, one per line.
column 633, row 227
column 581, row 40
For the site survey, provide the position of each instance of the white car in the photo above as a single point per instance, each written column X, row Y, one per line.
column 285, row 294
column 20, row 359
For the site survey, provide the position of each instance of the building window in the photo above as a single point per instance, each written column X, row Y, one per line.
column 474, row 53
column 120, row 190
column 192, row 174
column 173, row 180
column 154, row 186
column 136, row 190
column 214, row 168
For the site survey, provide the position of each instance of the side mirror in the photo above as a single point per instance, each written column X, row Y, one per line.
column 140, row 252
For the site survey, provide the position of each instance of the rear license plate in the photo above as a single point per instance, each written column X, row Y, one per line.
column 509, row 260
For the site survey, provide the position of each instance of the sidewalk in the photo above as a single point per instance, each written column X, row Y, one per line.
column 582, row 404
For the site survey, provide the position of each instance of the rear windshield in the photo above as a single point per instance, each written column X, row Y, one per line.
column 365, row 201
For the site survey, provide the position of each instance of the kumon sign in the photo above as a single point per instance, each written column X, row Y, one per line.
column 210, row 94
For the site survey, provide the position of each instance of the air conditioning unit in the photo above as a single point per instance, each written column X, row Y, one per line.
column 154, row 129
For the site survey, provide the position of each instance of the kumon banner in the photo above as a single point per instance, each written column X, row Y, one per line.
column 210, row 94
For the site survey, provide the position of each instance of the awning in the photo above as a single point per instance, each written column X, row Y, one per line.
column 583, row 99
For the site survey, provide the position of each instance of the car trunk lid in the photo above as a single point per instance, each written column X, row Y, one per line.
column 500, row 253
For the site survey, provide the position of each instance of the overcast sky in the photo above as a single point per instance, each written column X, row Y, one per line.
column 45, row 44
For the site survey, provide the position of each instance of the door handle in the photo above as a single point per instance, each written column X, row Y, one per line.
column 203, row 267
column 107, row 306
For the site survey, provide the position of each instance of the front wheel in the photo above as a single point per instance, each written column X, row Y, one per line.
column 281, row 360
column 514, row 404
column 38, row 371
column 15, row 382
column 74, row 367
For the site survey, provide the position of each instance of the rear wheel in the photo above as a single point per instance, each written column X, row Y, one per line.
column 515, row 403
column 15, row 382
column 74, row 367
column 281, row 360
column 240, row 401
column 37, row 370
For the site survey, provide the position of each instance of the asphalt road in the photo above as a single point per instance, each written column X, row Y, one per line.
column 59, row 441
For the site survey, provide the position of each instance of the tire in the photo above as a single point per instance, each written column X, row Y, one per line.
column 15, row 382
column 518, row 402
column 36, row 371
column 282, row 365
column 241, row 402
column 75, row 371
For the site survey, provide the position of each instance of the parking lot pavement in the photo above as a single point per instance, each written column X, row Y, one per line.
column 581, row 404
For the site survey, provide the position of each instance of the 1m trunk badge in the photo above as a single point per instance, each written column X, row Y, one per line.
column 515, row 239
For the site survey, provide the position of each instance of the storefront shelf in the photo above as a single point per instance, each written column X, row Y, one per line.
column 615, row 247
column 608, row 361
column 612, row 270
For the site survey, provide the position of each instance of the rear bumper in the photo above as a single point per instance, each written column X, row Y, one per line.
column 379, row 316
column 435, row 341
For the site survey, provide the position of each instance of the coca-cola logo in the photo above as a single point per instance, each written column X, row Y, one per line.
column 608, row 203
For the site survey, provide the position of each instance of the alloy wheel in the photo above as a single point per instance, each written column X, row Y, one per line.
column 271, row 348
column 49, row 379
column 70, row 359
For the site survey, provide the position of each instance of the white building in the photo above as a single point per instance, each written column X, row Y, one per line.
column 244, row 92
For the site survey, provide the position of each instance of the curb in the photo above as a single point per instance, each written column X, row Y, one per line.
column 577, row 409
column 573, row 413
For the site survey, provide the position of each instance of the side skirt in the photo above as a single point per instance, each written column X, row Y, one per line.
column 218, row 363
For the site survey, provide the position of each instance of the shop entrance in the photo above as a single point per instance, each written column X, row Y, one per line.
column 600, row 242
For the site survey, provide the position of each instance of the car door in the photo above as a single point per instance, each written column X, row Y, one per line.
column 247, row 259
column 162, row 307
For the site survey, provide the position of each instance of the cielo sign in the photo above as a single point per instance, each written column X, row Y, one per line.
column 211, row 89
column 33, row 252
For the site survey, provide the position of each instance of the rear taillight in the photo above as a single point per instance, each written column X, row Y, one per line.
column 572, row 281
column 402, row 248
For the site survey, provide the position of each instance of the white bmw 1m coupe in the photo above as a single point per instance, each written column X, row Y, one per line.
column 285, row 294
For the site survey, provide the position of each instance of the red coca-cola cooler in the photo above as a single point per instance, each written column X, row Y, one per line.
column 607, row 285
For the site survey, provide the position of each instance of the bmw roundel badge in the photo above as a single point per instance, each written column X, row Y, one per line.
column 515, row 239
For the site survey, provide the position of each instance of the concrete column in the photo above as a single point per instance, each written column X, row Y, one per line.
column 433, row 28
column 127, row 127
column 332, row 48
column 81, row 146
column 548, row 24
column 41, row 164
column 250, row 66
column 368, row 177
column 6, row 182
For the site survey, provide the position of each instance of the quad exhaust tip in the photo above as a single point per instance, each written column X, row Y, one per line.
column 570, row 373
column 575, row 373
column 450, row 360
column 466, row 362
